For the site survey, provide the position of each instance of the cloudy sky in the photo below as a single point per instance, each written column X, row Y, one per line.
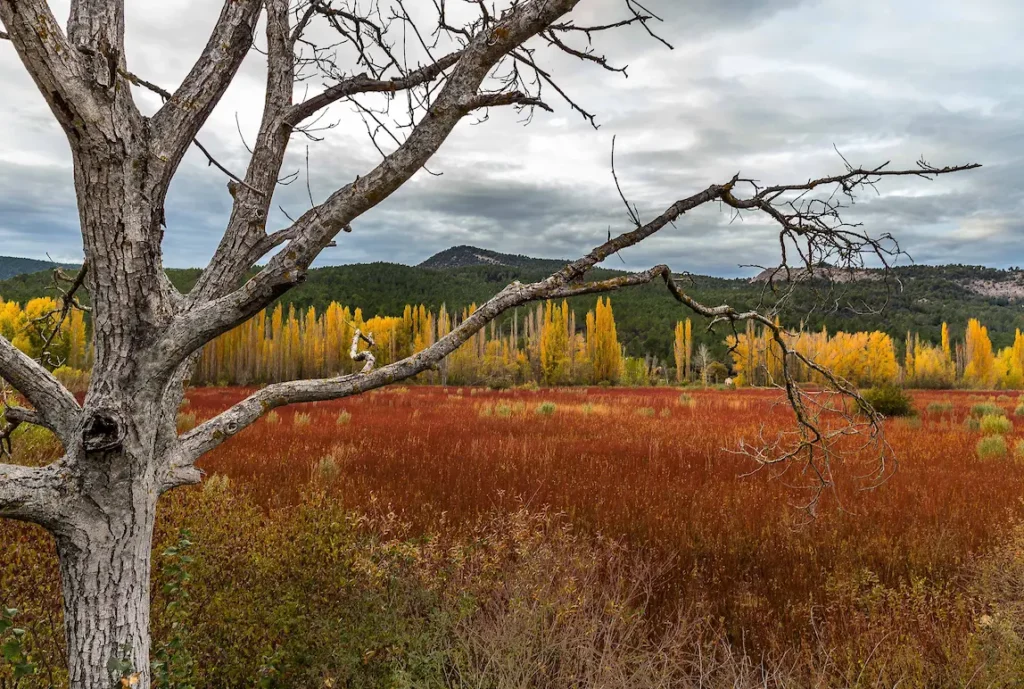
column 762, row 87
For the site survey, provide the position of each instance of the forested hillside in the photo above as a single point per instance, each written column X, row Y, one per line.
column 918, row 298
column 12, row 266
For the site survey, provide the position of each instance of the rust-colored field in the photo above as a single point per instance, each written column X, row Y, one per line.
column 649, row 468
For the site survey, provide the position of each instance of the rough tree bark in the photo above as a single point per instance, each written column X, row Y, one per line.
column 121, row 448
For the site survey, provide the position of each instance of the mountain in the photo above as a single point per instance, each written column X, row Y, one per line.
column 468, row 256
column 11, row 266
column 916, row 298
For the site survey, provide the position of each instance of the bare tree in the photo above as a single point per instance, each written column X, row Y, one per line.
column 121, row 448
column 703, row 360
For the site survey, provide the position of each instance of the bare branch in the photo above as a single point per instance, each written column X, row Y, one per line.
column 52, row 400
column 32, row 494
column 494, row 100
column 814, row 441
column 245, row 240
column 564, row 283
column 364, row 84
column 213, row 432
column 58, row 69
column 317, row 227
column 178, row 121
column 13, row 418
column 609, row 285
column 68, row 303
column 18, row 415
column 364, row 355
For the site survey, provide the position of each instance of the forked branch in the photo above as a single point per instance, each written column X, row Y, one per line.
column 364, row 355
column 824, row 420
column 181, row 117
column 56, row 406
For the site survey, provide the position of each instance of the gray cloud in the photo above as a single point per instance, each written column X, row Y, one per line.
column 766, row 87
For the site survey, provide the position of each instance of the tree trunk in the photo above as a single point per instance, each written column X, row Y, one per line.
column 105, row 565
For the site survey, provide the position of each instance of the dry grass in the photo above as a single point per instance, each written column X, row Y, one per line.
column 658, row 482
column 610, row 543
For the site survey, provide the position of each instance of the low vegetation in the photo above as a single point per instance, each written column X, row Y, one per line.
column 357, row 556
column 890, row 400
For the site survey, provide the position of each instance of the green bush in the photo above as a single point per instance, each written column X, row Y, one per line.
column 1019, row 411
column 546, row 408
column 13, row 649
column 996, row 424
column 986, row 408
column 992, row 447
column 890, row 400
column 971, row 424
column 645, row 411
column 940, row 407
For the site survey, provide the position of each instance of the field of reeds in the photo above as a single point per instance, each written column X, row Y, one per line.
column 599, row 537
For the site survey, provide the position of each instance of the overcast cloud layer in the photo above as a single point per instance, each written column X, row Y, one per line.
column 763, row 87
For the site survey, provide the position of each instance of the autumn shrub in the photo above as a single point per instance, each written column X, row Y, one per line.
column 546, row 408
column 1019, row 410
column 343, row 418
column 646, row 411
column 986, row 409
column 301, row 419
column 995, row 424
column 686, row 400
column 186, row 421
column 939, row 407
column 75, row 380
column 321, row 596
column 972, row 424
column 326, row 469
column 998, row 644
column 992, row 447
column 890, row 400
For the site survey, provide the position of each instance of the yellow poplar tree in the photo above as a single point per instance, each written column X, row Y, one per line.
column 554, row 345
column 980, row 371
column 607, row 353
column 682, row 350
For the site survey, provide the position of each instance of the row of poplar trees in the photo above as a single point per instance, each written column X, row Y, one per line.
column 870, row 358
column 543, row 344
